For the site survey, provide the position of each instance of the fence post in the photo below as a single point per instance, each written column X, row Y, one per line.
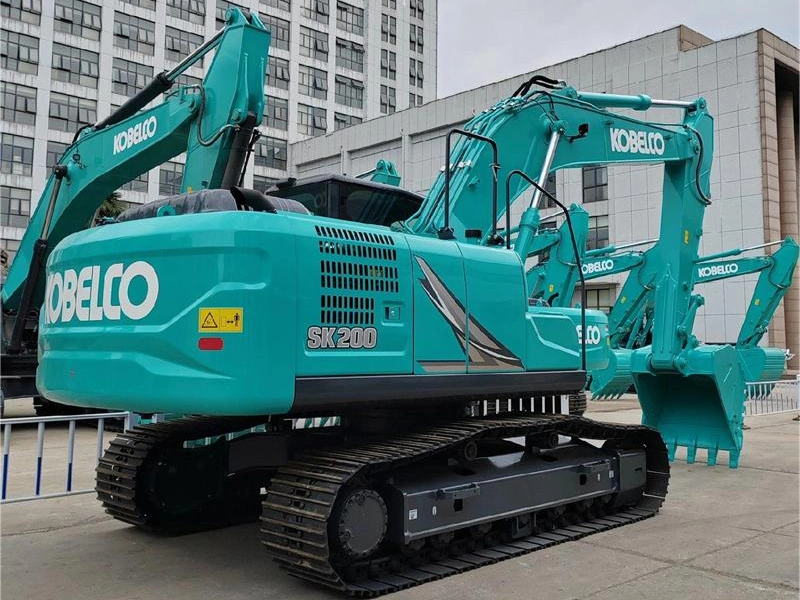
column 39, row 453
column 797, row 391
column 6, row 451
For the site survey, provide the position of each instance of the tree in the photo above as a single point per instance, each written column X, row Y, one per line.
column 112, row 206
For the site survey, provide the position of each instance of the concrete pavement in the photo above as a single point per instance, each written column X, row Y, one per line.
column 722, row 534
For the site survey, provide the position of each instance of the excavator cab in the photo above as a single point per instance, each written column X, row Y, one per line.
column 350, row 199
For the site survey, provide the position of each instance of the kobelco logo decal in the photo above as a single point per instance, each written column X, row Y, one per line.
column 593, row 334
column 88, row 294
column 729, row 269
column 136, row 134
column 600, row 266
column 636, row 142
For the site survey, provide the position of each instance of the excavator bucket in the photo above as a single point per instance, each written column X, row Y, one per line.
column 762, row 364
column 700, row 407
column 616, row 379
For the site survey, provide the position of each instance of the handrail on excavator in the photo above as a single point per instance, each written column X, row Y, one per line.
column 572, row 238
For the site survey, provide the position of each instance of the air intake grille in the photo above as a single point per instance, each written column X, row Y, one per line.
column 356, row 268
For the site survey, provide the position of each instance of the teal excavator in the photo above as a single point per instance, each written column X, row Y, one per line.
column 215, row 125
column 243, row 313
column 630, row 321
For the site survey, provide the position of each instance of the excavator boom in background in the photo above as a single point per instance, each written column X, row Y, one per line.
column 553, row 279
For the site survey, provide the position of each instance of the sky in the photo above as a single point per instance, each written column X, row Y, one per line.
column 482, row 41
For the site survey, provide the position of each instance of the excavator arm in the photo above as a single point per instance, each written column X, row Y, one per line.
column 212, row 123
column 776, row 271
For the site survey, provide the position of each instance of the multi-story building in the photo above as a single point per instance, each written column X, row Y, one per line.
column 66, row 63
column 751, row 84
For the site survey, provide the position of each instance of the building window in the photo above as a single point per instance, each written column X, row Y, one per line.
column 19, row 103
column 415, row 74
column 388, row 29
column 15, row 206
column 416, row 40
column 313, row 43
column 276, row 113
column 68, row 113
column 133, row 33
column 388, row 100
column 19, row 52
column 350, row 55
column 595, row 184
column 139, row 184
column 170, row 177
column 185, row 80
column 414, row 99
column 179, row 44
column 262, row 184
column 16, row 154
column 599, row 299
column 222, row 10
column 313, row 82
column 128, row 77
column 278, row 73
column 350, row 18
column 271, row 152
column 285, row 5
column 349, row 92
column 550, row 188
column 78, row 18
column 598, row 232
column 318, row 10
column 311, row 120
column 148, row 4
column 389, row 4
column 55, row 150
column 75, row 65
column 279, row 29
column 417, row 8
column 193, row 11
column 27, row 11
column 389, row 64
column 341, row 120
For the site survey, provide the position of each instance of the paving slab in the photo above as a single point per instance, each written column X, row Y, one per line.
column 766, row 557
column 681, row 582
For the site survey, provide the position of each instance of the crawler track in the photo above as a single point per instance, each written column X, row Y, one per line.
column 123, row 480
column 302, row 495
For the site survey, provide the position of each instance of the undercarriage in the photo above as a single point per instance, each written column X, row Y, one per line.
column 368, row 510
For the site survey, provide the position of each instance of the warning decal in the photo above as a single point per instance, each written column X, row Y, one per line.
column 220, row 320
column 209, row 322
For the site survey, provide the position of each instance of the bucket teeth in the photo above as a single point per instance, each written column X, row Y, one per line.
column 711, row 456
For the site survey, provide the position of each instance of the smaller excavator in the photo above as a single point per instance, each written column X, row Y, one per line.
column 775, row 277
column 554, row 280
